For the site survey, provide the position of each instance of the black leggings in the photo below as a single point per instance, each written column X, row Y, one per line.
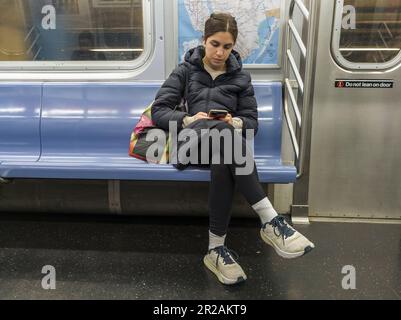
column 223, row 180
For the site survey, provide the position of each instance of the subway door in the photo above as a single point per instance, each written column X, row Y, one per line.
column 355, row 167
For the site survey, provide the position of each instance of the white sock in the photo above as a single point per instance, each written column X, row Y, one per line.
column 265, row 210
column 216, row 241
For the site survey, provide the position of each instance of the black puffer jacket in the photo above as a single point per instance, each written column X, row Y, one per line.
column 232, row 91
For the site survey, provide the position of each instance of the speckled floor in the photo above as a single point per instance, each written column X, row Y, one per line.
column 115, row 257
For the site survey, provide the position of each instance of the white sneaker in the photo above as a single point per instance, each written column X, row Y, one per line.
column 220, row 261
column 287, row 242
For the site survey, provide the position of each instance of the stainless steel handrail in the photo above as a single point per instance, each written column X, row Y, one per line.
column 37, row 53
column 294, row 67
column 301, row 6
column 294, row 102
column 29, row 33
column 292, row 33
column 33, row 44
column 297, row 37
column 291, row 128
column 33, row 31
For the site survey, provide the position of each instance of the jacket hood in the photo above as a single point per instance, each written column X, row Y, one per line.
column 195, row 56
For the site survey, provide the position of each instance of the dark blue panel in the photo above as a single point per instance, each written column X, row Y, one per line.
column 20, row 105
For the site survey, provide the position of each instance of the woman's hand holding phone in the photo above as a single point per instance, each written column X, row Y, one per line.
column 222, row 115
column 228, row 119
column 217, row 113
column 203, row 115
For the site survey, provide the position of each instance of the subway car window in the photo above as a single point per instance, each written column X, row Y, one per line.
column 370, row 31
column 71, row 30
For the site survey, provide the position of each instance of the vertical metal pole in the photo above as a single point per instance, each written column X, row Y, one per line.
column 300, row 207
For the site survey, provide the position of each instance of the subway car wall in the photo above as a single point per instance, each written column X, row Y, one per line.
column 58, row 42
column 57, row 55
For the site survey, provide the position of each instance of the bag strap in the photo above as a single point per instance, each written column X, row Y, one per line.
column 183, row 103
column 186, row 82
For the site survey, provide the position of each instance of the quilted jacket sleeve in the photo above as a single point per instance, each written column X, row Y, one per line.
column 247, row 109
column 168, row 97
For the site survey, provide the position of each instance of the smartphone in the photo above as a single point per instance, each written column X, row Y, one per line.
column 217, row 113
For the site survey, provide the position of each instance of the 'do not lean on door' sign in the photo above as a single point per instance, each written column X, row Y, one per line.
column 364, row 84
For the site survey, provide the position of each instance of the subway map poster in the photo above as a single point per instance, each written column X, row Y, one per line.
column 258, row 24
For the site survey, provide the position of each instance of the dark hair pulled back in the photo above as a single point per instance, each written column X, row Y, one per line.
column 221, row 22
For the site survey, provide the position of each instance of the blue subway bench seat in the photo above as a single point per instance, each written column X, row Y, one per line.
column 82, row 131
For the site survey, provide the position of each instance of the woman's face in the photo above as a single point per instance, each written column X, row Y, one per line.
column 217, row 49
